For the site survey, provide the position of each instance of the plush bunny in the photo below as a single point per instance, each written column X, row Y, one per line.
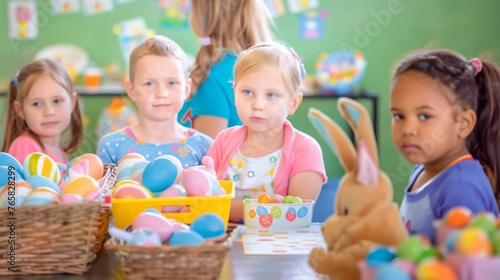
column 365, row 214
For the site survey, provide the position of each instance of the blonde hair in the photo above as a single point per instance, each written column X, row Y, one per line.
column 230, row 24
column 21, row 85
column 272, row 54
column 159, row 46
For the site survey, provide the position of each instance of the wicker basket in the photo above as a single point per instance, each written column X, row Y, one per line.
column 173, row 262
column 105, row 214
column 49, row 239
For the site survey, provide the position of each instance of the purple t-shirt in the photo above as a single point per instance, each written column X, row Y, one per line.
column 463, row 184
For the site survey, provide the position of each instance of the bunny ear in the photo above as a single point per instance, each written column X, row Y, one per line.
column 359, row 120
column 335, row 137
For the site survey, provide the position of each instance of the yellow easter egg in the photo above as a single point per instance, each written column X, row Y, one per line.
column 81, row 186
column 41, row 164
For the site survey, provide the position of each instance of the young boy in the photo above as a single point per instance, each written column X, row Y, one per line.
column 158, row 84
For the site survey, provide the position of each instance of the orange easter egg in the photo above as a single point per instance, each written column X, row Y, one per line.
column 264, row 198
column 431, row 269
column 96, row 167
column 82, row 186
column 458, row 217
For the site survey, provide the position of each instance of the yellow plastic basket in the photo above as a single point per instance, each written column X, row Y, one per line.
column 126, row 210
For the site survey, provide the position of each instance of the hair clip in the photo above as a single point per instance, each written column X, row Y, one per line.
column 302, row 69
column 477, row 64
column 14, row 80
column 205, row 41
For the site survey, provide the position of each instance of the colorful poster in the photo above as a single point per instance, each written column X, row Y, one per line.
column 312, row 25
column 174, row 13
column 23, row 22
column 65, row 6
column 130, row 34
column 296, row 241
column 276, row 7
column 92, row 7
column 296, row 6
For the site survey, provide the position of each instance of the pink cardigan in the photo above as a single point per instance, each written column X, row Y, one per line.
column 300, row 153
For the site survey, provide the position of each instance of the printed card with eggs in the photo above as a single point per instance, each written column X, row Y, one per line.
column 297, row 241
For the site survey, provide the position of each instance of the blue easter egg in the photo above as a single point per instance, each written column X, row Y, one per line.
column 261, row 210
column 8, row 160
column 380, row 255
column 152, row 210
column 159, row 174
column 185, row 237
column 451, row 240
column 389, row 272
column 8, row 175
column 209, row 225
column 291, row 210
column 37, row 181
column 302, row 212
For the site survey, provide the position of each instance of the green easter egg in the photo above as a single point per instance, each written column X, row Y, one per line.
column 276, row 212
column 247, row 201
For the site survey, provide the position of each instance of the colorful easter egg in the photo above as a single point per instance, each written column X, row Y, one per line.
column 42, row 196
column 261, row 210
column 161, row 173
column 71, row 198
column 139, row 237
column 485, row 221
column 276, row 212
column 391, row 272
column 128, row 189
column 155, row 222
column 79, row 169
column 185, row 238
column 9, row 174
column 266, row 220
column 291, row 214
column 207, row 165
column 412, row 248
column 209, row 225
column 175, row 190
column 37, row 181
column 434, row 269
column 264, row 198
column 125, row 164
column 96, row 167
column 458, row 217
column 82, row 186
column 178, row 226
column 276, row 198
column 8, row 160
column 379, row 255
column 473, row 242
column 137, row 170
column 302, row 212
column 41, row 164
column 175, row 161
column 198, row 182
column 15, row 197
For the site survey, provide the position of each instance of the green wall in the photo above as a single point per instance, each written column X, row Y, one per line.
column 383, row 30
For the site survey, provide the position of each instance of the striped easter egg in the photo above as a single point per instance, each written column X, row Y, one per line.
column 43, row 196
column 41, row 164
column 22, row 190
column 130, row 189
column 198, row 182
column 82, row 186
column 125, row 164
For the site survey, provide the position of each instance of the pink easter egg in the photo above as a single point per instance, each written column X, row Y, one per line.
column 71, row 198
column 130, row 189
column 198, row 182
column 155, row 222
column 175, row 190
column 178, row 226
column 207, row 165
column 95, row 165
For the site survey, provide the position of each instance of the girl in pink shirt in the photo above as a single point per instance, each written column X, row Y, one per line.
column 266, row 154
column 42, row 105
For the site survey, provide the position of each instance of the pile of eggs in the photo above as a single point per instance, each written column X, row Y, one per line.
column 164, row 177
column 462, row 233
column 41, row 180
column 414, row 258
column 151, row 228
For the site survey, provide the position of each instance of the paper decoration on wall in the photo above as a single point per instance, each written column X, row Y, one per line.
column 276, row 7
column 23, row 22
column 130, row 34
column 312, row 25
column 92, row 7
column 174, row 13
column 296, row 6
column 119, row 114
column 65, row 6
